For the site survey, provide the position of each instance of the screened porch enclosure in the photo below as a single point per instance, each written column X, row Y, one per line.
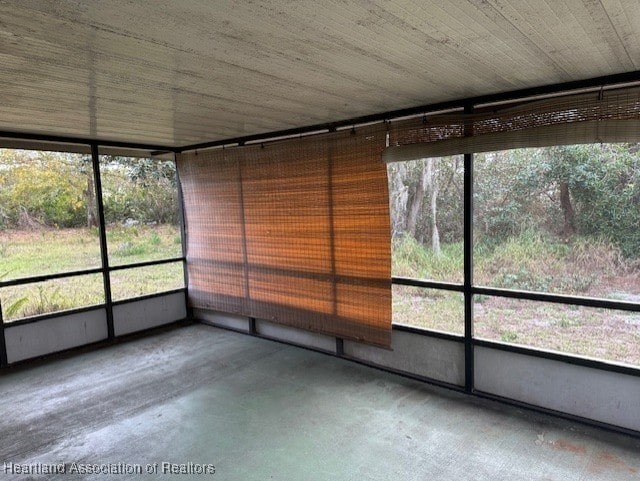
column 289, row 233
column 316, row 241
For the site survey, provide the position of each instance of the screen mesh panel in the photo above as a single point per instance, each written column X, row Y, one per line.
column 296, row 232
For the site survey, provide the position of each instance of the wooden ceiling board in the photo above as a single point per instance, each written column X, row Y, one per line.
column 181, row 73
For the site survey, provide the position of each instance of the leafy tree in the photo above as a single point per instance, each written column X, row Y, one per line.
column 560, row 192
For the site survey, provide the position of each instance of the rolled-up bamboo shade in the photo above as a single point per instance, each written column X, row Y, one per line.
column 604, row 116
column 296, row 232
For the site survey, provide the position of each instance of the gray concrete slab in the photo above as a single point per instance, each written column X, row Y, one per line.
column 260, row 410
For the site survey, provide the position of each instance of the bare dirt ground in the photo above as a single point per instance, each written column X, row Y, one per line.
column 597, row 333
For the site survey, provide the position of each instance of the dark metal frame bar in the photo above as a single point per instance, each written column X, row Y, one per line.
column 104, row 254
column 557, row 356
column 49, row 277
column 3, row 344
column 183, row 239
column 445, row 286
column 253, row 330
column 145, row 297
column 121, row 267
column 93, row 307
column 469, row 360
column 447, row 336
column 559, row 299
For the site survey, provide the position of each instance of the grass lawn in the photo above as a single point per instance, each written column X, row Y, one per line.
column 48, row 251
column 585, row 269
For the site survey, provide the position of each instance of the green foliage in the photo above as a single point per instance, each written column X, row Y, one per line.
column 140, row 189
column 55, row 189
column 508, row 336
column 47, row 300
column 154, row 239
column 412, row 259
column 529, row 262
column 42, row 189
column 128, row 249
column 520, row 190
column 533, row 262
column 607, row 193
column 13, row 309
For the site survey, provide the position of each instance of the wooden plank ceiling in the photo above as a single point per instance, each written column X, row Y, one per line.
column 176, row 73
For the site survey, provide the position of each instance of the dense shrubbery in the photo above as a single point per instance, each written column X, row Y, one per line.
column 525, row 262
column 562, row 193
column 56, row 190
column 40, row 190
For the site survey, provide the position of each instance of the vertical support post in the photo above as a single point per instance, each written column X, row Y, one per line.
column 252, row 326
column 468, row 261
column 339, row 347
column 106, row 275
column 183, row 240
column 3, row 345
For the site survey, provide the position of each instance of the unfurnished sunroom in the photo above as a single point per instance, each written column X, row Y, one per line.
column 444, row 198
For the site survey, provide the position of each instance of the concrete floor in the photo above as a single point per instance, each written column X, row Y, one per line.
column 260, row 410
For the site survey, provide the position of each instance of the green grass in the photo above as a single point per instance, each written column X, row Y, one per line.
column 128, row 245
column 29, row 253
column 528, row 262
column 428, row 309
column 411, row 259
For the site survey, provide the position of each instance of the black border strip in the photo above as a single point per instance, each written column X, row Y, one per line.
column 183, row 238
column 48, row 277
column 428, row 333
column 145, row 297
column 559, row 299
column 104, row 252
column 3, row 345
column 97, row 270
column 412, row 282
column 121, row 267
column 595, row 302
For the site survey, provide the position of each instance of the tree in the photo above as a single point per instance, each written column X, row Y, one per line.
column 90, row 192
column 432, row 185
column 426, row 200
column 417, row 200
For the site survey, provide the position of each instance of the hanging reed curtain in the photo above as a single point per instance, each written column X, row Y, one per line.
column 604, row 116
column 296, row 232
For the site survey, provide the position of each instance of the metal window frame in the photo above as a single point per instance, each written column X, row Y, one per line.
column 105, row 268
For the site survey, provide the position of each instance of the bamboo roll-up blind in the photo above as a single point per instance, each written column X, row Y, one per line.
column 296, row 232
column 603, row 116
